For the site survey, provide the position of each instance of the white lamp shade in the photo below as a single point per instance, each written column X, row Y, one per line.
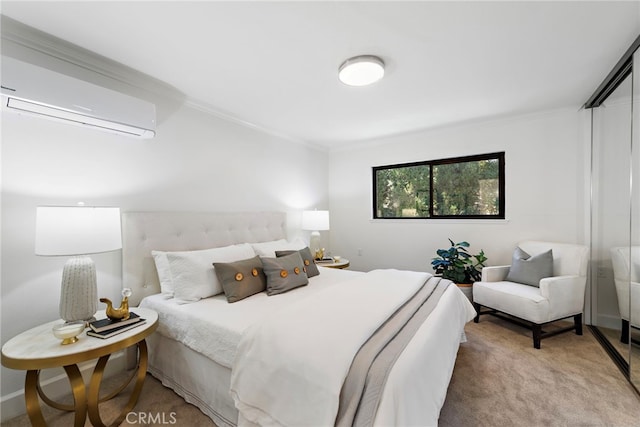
column 77, row 230
column 315, row 220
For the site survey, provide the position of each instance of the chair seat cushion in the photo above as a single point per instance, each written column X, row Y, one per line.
column 519, row 300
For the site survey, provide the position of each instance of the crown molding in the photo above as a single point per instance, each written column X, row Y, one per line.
column 209, row 109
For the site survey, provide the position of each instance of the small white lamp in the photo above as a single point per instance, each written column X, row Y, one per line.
column 315, row 221
column 77, row 231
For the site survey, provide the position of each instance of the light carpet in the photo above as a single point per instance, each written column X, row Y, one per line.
column 501, row 380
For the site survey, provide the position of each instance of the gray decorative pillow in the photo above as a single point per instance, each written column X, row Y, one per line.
column 310, row 266
column 528, row 270
column 241, row 279
column 284, row 273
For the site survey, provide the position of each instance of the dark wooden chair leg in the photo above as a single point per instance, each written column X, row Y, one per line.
column 577, row 320
column 477, row 307
column 537, row 335
column 624, row 335
column 536, row 328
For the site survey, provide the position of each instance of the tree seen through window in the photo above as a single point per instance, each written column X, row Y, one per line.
column 465, row 187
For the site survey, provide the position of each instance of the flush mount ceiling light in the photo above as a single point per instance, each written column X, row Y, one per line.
column 361, row 70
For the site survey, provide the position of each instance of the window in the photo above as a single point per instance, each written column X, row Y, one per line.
column 461, row 187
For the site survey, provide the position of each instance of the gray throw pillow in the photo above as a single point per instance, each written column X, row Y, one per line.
column 528, row 270
column 310, row 266
column 241, row 279
column 284, row 273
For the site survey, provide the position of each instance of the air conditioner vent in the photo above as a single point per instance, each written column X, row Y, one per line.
column 29, row 89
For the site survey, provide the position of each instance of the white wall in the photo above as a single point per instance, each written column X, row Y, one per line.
column 546, row 191
column 197, row 162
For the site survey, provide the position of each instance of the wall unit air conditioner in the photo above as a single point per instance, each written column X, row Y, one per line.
column 30, row 89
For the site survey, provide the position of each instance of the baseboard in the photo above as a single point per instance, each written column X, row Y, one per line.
column 55, row 384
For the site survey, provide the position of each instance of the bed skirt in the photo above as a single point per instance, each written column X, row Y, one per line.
column 197, row 379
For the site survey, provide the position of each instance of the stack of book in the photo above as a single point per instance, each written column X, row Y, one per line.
column 106, row 328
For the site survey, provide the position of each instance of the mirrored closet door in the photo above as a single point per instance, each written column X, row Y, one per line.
column 611, row 216
column 615, row 214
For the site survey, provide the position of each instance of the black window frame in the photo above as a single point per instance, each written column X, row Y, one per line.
column 500, row 156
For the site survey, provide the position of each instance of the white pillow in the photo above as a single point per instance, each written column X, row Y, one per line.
column 193, row 274
column 268, row 249
column 164, row 273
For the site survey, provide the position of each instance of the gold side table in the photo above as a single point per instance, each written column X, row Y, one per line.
column 343, row 263
column 38, row 349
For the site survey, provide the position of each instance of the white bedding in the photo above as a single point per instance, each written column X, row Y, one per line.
column 290, row 368
column 213, row 327
column 416, row 387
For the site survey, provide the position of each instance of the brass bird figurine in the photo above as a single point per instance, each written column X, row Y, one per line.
column 122, row 312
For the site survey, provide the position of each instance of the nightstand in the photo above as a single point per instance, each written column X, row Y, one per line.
column 38, row 349
column 343, row 263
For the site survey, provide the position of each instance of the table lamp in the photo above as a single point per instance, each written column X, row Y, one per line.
column 315, row 221
column 77, row 231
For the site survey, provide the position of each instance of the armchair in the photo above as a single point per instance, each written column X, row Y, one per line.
column 556, row 297
column 626, row 274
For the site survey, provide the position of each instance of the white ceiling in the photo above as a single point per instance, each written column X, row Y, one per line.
column 274, row 64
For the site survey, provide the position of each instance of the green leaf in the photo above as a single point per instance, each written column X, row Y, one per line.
column 457, row 264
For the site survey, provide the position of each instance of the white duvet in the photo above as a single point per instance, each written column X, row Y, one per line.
column 416, row 387
column 290, row 368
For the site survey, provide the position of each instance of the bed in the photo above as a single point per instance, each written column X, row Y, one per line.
column 290, row 358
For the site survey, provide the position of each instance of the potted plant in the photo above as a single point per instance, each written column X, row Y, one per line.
column 458, row 265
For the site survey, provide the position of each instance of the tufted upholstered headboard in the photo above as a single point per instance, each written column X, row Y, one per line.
column 143, row 232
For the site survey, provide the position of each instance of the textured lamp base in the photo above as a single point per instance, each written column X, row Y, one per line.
column 79, row 293
column 314, row 242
